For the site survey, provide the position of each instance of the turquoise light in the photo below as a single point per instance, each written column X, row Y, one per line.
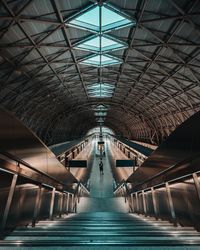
column 101, row 60
column 100, row 90
column 101, row 43
column 90, row 19
column 109, row 17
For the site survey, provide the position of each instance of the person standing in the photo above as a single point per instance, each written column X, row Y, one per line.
column 101, row 167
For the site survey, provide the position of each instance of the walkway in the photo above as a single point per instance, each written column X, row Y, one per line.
column 101, row 195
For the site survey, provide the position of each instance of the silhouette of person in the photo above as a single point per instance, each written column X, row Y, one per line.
column 101, row 167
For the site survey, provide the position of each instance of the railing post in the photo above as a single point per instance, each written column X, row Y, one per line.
column 67, row 208
column 37, row 205
column 124, row 191
column 9, row 201
column 144, row 203
column 52, row 204
column 61, row 205
column 170, row 201
column 72, row 203
column 79, row 193
column 196, row 183
column 132, row 203
column 137, row 203
column 154, row 202
column 64, row 203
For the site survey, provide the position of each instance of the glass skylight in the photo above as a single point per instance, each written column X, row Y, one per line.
column 100, row 119
column 111, row 18
column 100, row 113
column 100, row 90
column 100, row 19
column 101, row 60
column 100, row 107
column 101, row 43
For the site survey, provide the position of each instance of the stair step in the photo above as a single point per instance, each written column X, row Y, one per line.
column 51, row 243
column 100, row 228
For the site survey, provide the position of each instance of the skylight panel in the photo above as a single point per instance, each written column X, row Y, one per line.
column 88, row 20
column 101, row 107
column 100, row 95
column 100, row 90
column 100, row 19
column 100, row 113
column 111, row 18
column 101, row 43
column 101, row 60
column 102, row 86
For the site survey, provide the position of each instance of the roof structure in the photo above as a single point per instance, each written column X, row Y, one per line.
column 65, row 63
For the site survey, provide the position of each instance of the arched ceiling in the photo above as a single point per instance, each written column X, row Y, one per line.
column 156, row 87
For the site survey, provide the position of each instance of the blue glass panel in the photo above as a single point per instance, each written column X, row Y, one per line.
column 109, row 16
column 101, row 60
column 88, row 20
column 107, row 43
column 100, row 90
column 111, row 19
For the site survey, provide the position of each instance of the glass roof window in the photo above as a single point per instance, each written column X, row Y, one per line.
column 100, row 95
column 101, row 43
column 100, row 18
column 101, row 60
column 101, row 107
column 100, row 90
column 100, row 113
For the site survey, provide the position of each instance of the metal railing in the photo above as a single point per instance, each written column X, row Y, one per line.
column 40, row 180
column 140, row 200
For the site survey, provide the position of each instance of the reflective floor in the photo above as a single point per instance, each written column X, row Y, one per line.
column 101, row 186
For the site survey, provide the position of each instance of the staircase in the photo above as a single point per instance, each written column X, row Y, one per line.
column 102, row 229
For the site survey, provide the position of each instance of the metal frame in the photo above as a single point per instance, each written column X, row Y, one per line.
column 158, row 79
column 9, row 201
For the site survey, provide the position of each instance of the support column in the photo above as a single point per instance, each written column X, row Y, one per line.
column 79, row 193
column 9, row 201
column 61, row 205
column 37, row 206
column 197, row 185
column 52, row 204
column 70, row 203
column 132, row 203
column 170, row 201
column 124, row 191
column 144, row 203
column 137, row 203
column 67, row 207
column 154, row 203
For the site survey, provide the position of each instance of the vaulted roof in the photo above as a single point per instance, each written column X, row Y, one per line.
column 156, row 84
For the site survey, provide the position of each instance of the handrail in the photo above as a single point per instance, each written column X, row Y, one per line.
column 178, row 164
column 71, row 147
column 76, row 196
column 121, row 184
column 19, row 161
column 84, row 187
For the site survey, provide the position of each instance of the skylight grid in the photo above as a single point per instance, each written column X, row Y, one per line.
column 101, row 107
column 100, row 95
column 102, row 86
column 100, row 113
column 100, row 19
column 111, row 18
column 101, row 43
column 101, row 60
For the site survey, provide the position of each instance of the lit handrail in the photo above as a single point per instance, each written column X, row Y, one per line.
column 179, row 164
